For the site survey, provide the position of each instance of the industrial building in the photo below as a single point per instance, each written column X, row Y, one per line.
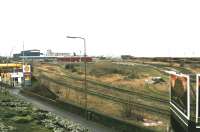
column 53, row 56
column 34, row 52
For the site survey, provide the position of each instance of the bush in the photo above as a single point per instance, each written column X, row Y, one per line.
column 74, row 70
column 22, row 119
column 71, row 67
column 133, row 75
column 105, row 69
column 9, row 115
column 127, row 109
column 80, row 72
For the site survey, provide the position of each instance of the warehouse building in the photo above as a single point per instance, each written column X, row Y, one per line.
column 34, row 52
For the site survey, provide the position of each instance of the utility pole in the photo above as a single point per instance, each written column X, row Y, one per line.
column 80, row 61
column 23, row 52
column 8, row 59
column 23, row 66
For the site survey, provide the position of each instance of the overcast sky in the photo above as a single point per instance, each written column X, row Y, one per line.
column 111, row 27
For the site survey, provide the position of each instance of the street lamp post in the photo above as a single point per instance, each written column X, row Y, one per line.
column 85, row 68
column 80, row 61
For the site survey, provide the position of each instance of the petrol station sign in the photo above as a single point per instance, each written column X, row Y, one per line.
column 26, row 68
column 27, row 74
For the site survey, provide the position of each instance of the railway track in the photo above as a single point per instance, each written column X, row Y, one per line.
column 165, row 101
column 137, row 105
column 159, row 99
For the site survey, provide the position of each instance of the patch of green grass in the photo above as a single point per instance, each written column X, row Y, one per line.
column 22, row 120
column 29, row 127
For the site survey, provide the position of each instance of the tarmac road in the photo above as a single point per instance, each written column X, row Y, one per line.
column 92, row 126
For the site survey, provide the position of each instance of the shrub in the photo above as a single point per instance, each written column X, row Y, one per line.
column 74, row 70
column 105, row 69
column 133, row 75
column 71, row 67
column 127, row 109
column 22, row 119
column 9, row 115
